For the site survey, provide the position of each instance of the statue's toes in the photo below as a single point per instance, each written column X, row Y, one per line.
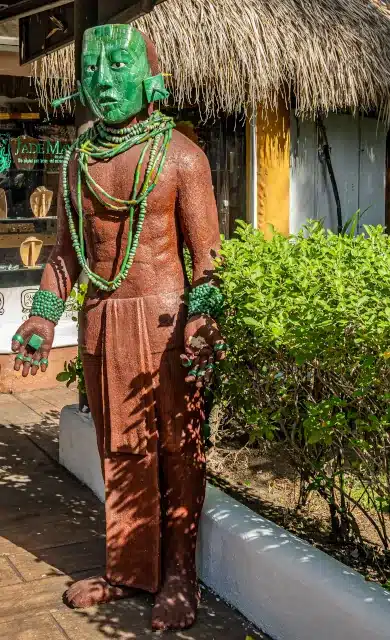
column 78, row 596
column 88, row 593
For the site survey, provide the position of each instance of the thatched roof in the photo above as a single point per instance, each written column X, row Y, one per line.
column 233, row 54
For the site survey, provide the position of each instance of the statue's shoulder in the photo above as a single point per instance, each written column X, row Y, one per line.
column 186, row 153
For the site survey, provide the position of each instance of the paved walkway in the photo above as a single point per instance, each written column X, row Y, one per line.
column 52, row 532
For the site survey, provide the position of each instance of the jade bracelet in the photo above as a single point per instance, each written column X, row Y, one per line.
column 48, row 306
column 206, row 299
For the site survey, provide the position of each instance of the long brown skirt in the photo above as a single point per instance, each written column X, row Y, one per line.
column 144, row 412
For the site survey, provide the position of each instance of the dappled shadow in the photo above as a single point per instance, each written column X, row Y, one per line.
column 215, row 621
column 51, row 525
column 149, row 433
column 281, row 562
column 45, row 433
column 363, row 558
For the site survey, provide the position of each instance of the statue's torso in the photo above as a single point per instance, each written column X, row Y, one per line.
column 157, row 267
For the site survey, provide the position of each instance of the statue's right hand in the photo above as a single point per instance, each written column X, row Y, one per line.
column 34, row 326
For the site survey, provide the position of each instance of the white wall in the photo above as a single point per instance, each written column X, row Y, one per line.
column 358, row 153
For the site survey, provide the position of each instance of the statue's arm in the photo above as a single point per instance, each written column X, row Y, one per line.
column 199, row 223
column 198, row 215
column 60, row 274
column 62, row 270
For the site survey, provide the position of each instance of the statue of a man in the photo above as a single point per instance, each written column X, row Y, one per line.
column 134, row 191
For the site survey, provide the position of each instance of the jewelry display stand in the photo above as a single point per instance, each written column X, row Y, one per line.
column 3, row 205
column 40, row 202
column 30, row 251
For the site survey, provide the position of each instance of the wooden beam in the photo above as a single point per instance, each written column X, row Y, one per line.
column 86, row 15
column 28, row 8
column 38, row 38
column 251, row 170
column 110, row 10
column 387, row 186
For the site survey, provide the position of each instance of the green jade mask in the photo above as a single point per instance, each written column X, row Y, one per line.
column 116, row 78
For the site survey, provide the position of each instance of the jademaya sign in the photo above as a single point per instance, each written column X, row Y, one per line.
column 44, row 151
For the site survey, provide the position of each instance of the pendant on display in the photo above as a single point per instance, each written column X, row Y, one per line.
column 30, row 251
column 3, row 204
column 40, row 202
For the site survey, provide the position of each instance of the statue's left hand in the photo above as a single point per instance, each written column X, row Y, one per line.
column 203, row 346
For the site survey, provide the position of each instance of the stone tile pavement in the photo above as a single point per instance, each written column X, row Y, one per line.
column 52, row 533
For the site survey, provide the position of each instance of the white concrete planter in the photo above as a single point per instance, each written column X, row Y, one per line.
column 289, row 589
column 78, row 449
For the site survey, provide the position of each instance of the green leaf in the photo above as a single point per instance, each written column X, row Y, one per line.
column 251, row 322
column 315, row 437
column 63, row 376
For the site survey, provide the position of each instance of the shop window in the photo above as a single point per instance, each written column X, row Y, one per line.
column 31, row 156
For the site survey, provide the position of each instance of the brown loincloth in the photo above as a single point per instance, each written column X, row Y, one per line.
column 140, row 404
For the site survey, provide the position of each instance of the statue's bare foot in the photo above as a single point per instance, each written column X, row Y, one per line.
column 176, row 605
column 88, row 593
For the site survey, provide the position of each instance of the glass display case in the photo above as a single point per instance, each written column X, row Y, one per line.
column 31, row 154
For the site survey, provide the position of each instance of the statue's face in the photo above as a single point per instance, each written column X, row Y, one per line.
column 114, row 66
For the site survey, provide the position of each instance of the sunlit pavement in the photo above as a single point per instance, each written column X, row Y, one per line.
column 52, row 533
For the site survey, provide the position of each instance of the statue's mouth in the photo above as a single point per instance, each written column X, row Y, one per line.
column 107, row 100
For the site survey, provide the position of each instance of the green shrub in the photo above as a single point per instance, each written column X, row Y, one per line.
column 307, row 323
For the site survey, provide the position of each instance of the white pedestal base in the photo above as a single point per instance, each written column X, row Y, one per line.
column 78, row 449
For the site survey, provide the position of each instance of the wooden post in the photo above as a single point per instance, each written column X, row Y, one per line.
column 251, row 169
column 85, row 16
column 387, row 185
column 273, row 178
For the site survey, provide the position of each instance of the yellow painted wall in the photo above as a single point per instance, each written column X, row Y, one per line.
column 273, row 169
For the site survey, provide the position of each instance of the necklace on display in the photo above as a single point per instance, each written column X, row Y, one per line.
column 103, row 143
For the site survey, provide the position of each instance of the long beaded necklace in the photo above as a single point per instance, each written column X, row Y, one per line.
column 103, row 143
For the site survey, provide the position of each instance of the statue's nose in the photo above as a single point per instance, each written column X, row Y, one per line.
column 104, row 76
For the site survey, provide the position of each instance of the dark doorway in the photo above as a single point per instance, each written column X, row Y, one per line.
column 223, row 141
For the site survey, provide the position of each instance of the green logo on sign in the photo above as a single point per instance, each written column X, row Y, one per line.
column 5, row 153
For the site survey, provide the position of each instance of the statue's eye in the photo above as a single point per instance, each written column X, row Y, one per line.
column 92, row 68
column 118, row 65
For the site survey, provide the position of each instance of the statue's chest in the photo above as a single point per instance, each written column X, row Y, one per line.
column 114, row 180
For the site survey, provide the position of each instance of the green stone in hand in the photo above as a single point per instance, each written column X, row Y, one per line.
column 35, row 342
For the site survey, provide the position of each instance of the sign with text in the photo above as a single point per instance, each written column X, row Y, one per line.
column 39, row 151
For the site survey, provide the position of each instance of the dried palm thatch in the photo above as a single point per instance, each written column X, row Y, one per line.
column 234, row 54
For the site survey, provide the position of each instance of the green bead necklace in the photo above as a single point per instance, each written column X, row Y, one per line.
column 103, row 143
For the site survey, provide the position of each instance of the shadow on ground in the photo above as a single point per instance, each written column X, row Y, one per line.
column 52, row 533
